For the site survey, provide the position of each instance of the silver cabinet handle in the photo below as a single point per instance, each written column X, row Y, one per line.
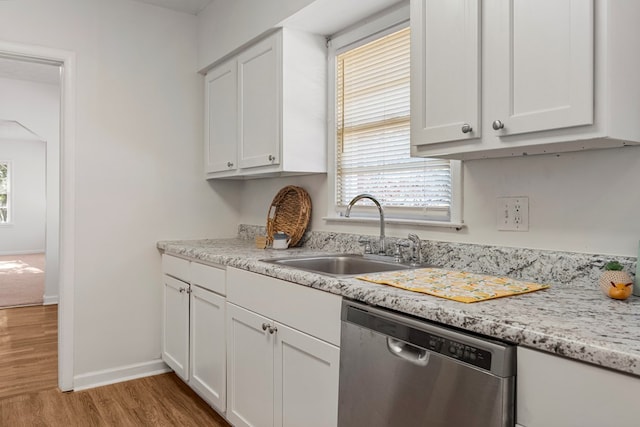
column 497, row 125
column 271, row 158
column 182, row 290
column 272, row 329
column 229, row 164
column 466, row 128
column 265, row 326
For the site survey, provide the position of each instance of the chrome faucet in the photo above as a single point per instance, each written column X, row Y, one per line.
column 416, row 254
column 382, row 250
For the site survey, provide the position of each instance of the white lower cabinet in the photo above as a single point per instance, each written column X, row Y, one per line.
column 306, row 380
column 556, row 392
column 175, row 326
column 282, row 353
column 208, row 355
column 193, row 327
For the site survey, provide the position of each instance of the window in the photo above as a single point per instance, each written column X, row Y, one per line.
column 372, row 131
column 4, row 193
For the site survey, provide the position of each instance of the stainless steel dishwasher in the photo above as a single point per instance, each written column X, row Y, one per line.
column 396, row 370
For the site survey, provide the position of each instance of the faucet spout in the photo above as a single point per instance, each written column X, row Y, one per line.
column 382, row 250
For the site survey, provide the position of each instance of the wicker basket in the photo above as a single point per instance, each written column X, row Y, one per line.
column 289, row 212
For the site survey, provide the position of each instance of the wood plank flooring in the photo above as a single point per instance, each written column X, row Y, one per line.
column 161, row 400
column 29, row 395
column 28, row 349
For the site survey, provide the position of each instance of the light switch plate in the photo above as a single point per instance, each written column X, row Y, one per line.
column 512, row 213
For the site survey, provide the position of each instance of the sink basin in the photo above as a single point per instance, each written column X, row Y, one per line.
column 338, row 265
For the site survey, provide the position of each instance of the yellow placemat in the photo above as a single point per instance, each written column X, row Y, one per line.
column 455, row 285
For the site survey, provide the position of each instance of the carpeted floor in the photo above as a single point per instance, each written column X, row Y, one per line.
column 21, row 280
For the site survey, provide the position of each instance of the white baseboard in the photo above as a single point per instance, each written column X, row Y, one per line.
column 50, row 299
column 120, row 374
column 29, row 252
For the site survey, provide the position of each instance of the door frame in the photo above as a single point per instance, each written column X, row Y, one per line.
column 67, row 60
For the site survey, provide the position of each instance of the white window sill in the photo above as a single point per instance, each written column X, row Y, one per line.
column 397, row 221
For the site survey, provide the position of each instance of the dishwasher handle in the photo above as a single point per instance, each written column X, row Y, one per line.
column 416, row 355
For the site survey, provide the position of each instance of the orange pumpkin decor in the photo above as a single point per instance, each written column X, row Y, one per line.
column 614, row 282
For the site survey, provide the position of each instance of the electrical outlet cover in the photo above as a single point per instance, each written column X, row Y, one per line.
column 512, row 213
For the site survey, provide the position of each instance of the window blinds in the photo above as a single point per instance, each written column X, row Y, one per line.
column 373, row 148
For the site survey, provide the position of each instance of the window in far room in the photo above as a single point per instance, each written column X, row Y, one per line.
column 4, row 192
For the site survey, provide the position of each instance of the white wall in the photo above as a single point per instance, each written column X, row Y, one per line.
column 579, row 202
column 226, row 25
column 37, row 106
column 25, row 233
column 139, row 171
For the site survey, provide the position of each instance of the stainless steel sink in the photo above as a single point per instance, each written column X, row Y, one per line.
column 338, row 265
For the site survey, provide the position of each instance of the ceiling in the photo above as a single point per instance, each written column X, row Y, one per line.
column 192, row 7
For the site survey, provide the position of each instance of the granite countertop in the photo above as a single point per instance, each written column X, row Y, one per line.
column 577, row 322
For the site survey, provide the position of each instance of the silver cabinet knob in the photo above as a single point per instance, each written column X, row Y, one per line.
column 466, row 128
column 265, row 326
column 272, row 329
column 182, row 290
column 271, row 157
column 497, row 125
column 229, row 164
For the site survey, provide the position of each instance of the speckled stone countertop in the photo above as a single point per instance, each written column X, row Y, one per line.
column 572, row 318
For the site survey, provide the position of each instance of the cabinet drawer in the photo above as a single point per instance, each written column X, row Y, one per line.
column 314, row 312
column 175, row 267
column 208, row 277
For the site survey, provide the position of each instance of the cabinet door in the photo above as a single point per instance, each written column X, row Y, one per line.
column 221, row 116
column 540, row 54
column 259, row 84
column 445, row 71
column 249, row 368
column 558, row 392
column 306, row 380
column 175, row 326
column 208, row 347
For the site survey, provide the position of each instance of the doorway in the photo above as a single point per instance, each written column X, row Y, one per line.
column 60, row 197
column 23, row 189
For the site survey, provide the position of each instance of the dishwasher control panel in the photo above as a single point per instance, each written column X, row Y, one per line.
column 472, row 355
column 466, row 353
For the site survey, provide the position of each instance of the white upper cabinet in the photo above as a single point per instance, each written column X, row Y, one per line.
column 445, row 70
column 523, row 77
column 222, row 118
column 278, row 110
column 541, row 65
column 259, row 98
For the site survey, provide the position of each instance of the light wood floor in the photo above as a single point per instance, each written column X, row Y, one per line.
column 28, row 349
column 29, row 395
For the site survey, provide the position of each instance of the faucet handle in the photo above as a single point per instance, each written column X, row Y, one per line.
column 397, row 255
column 367, row 245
